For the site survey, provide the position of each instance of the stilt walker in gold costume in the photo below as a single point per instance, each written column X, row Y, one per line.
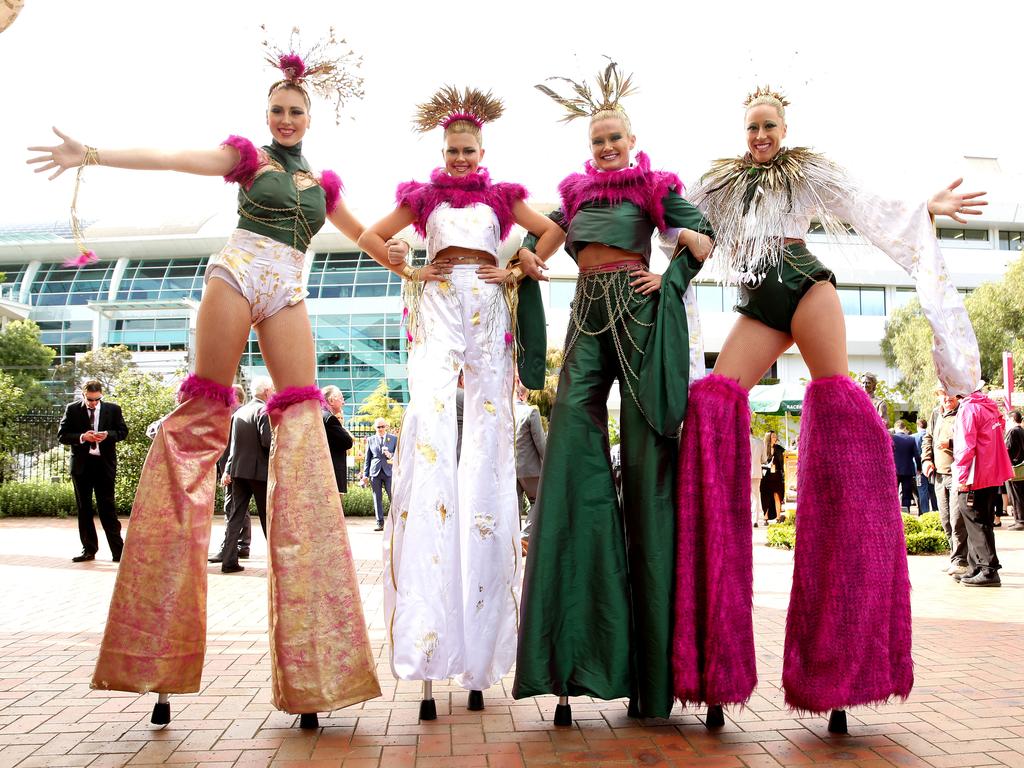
column 155, row 637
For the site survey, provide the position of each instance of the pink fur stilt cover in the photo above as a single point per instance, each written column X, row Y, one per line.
column 638, row 185
column 196, row 386
column 248, row 161
column 713, row 632
column 460, row 192
column 848, row 629
column 292, row 395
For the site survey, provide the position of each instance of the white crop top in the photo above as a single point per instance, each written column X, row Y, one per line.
column 475, row 227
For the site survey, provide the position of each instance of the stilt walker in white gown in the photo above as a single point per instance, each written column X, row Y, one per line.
column 452, row 560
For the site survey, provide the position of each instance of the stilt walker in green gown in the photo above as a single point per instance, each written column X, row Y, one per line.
column 597, row 600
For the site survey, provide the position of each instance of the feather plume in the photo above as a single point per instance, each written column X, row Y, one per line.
column 328, row 68
column 766, row 90
column 612, row 86
column 449, row 104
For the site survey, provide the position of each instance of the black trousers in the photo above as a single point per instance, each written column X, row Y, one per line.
column 905, row 483
column 236, row 515
column 979, row 514
column 1015, row 490
column 96, row 479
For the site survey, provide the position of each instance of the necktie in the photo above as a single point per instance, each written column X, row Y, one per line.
column 94, row 418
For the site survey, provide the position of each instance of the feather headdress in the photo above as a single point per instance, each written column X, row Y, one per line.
column 327, row 68
column 449, row 105
column 765, row 95
column 612, row 86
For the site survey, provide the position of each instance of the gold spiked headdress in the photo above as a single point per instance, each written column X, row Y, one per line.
column 449, row 105
column 766, row 91
column 612, row 87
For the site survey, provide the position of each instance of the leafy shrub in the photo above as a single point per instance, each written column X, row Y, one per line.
column 37, row 500
column 359, row 502
column 782, row 536
column 143, row 398
column 911, row 525
column 927, row 541
column 930, row 521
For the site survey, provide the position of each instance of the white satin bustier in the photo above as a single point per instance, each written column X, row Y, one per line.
column 475, row 227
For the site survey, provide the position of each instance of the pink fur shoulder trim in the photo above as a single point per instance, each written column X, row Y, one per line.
column 460, row 192
column 332, row 186
column 638, row 185
column 248, row 161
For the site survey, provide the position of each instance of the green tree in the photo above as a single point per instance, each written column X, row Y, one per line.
column 13, row 405
column 143, row 398
column 105, row 365
column 379, row 405
column 996, row 311
column 27, row 360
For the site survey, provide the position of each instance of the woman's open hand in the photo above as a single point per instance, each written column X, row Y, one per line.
column 956, row 205
column 68, row 154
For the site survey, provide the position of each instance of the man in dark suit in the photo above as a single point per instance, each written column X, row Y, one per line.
column 908, row 462
column 380, row 448
column 92, row 429
column 246, row 472
column 339, row 441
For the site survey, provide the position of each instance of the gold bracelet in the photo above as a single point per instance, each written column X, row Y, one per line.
column 517, row 273
column 409, row 273
column 92, row 156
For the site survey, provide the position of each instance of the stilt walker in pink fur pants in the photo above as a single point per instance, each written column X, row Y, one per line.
column 848, row 630
column 155, row 636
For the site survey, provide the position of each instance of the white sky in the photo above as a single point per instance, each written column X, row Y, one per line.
column 898, row 92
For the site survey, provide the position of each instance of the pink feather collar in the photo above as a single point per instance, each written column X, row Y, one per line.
column 460, row 192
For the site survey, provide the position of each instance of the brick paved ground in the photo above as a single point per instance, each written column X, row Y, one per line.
column 967, row 708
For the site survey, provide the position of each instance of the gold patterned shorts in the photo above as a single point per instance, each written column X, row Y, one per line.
column 267, row 273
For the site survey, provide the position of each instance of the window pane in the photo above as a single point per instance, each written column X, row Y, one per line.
column 872, row 302
column 850, row 299
column 562, row 292
column 710, row 298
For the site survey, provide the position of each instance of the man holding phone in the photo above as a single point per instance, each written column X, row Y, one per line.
column 92, row 428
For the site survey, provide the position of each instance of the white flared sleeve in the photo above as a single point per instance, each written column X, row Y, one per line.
column 668, row 241
column 905, row 233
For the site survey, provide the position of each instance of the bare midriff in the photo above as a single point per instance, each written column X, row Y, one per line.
column 599, row 254
column 453, row 255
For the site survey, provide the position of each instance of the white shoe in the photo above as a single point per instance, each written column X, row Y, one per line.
column 957, row 570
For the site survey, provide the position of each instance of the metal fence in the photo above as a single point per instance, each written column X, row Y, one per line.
column 36, row 456
column 33, row 451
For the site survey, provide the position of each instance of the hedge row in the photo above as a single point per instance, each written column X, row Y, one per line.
column 38, row 499
column 924, row 534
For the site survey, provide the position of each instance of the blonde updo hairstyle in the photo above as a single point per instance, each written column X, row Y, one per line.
column 457, row 111
column 286, row 85
column 613, row 114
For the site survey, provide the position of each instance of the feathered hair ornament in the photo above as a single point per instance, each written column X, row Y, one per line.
column 328, row 68
column 612, row 85
column 765, row 94
column 449, row 105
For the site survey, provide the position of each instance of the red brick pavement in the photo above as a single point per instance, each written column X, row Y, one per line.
column 967, row 708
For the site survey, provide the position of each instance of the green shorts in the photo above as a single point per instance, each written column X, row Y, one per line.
column 774, row 300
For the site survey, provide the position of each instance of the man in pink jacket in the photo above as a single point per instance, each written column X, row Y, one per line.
column 981, row 466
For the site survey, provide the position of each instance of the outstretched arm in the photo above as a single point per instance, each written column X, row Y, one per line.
column 71, row 154
column 347, row 224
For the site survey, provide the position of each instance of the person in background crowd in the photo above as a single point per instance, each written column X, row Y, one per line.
column 981, row 466
column 377, row 467
column 773, row 477
column 1014, row 440
column 937, row 462
column 339, row 440
column 758, row 458
column 908, row 463
column 926, row 499
column 530, row 444
column 92, row 430
column 246, row 475
column 870, row 383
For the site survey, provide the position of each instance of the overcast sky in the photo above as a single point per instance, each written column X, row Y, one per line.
column 898, row 92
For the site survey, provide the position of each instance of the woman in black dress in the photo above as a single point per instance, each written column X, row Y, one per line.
column 773, row 478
